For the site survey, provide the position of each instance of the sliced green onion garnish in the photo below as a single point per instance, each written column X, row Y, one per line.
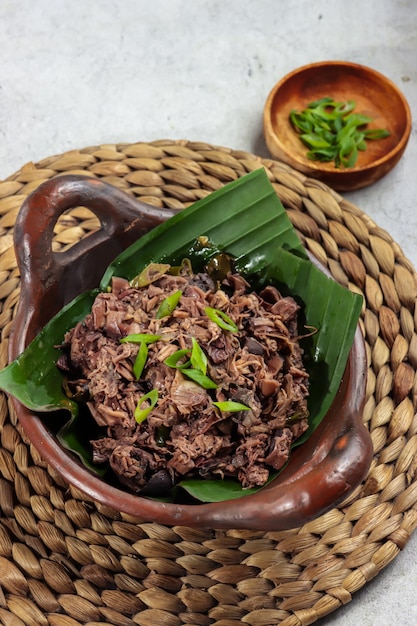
column 140, row 338
column 168, row 305
column 198, row 358
column 142, row 414
column 377, row 133
column 140, row 360
column 332, row 132
column 231, row 407
column 200, row 378
column 221, row 319
column 174, row 359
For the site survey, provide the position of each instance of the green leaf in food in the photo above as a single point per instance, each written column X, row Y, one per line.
column 221, row 319
column 177, row 359
column 214, row 490
column 168, row 305
column 140, row 338
column 140, row 361
column 149, row 274
column 198, row 359
column 199, row 378
column 195, row 367
column 229, row 406
column 149, row 399
column 245, row 219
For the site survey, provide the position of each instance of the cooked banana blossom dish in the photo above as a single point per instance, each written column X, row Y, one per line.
column 189, row 376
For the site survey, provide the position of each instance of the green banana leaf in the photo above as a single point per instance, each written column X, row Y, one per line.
column 247, row 220
column 245, row 217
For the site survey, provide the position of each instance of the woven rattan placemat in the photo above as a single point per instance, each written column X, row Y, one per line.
column 65, row 561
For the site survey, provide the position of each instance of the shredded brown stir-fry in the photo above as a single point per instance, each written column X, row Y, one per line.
column 155, row 359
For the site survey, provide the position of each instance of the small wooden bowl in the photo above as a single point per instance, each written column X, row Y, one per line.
column 375, row 96
column 321, row 472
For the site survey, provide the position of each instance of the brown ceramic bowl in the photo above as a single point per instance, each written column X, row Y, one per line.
column 375, row 96
column 321, row 472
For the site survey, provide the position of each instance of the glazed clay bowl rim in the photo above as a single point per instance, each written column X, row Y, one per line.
column 282, row 140
column 321, row 472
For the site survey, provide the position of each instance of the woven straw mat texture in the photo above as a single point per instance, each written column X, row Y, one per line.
column 65, row 561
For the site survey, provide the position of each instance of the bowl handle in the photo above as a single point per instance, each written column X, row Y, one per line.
column 49, row 279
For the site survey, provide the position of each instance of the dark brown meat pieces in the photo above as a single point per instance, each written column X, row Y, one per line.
column 185, row 434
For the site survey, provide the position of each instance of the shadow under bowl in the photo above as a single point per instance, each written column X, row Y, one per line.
column 321, row 472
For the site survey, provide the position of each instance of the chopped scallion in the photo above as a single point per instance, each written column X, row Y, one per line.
column 231, row 407
column 140, row 338
column 168, row 305
column 332, row 132
column 195, row 368
column 198, row 358
column 200, row 378
column 174, row 360
column 221, row 319
column 151, row 398
column 140, row 360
